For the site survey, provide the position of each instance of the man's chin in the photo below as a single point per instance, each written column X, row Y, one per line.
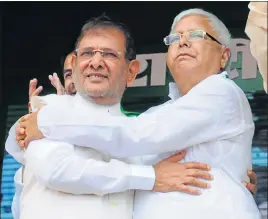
column 97, row 93
column 71, row 91
column 185, row 66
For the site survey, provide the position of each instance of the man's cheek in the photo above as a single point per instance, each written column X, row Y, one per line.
column 83, row 65
column 67, row 83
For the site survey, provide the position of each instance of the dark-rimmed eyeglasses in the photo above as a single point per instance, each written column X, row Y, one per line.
column 190, row 36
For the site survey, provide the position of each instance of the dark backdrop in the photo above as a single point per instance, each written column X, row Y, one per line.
column 36, row 34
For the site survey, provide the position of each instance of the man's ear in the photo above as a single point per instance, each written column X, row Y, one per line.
column 225, row 58
column 134, row 69
column 73, row 61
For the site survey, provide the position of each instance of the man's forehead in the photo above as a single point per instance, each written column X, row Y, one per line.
column 193, row 22
column 68, row 61
column 107, row 37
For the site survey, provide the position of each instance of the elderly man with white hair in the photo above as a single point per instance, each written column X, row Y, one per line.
column 209, row 116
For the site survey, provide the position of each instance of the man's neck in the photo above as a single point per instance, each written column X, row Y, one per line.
column 186, row 85
column 104, row 101
column 111, row 106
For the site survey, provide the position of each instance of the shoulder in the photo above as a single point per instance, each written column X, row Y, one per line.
column 226, row 96
column 52, row 99
column 219, row 86
column 161, row 106
column 217, row 94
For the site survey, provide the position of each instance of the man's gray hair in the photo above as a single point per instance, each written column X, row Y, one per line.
column 223, row 34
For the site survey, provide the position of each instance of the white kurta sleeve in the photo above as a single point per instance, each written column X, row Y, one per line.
column 56, row 166
column 210, row 111
column 11, row 144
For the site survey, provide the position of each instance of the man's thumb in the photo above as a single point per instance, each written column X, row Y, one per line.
column 26, row 142
column 176, row 157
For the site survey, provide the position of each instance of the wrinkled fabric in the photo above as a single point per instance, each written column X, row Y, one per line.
column 213, row 122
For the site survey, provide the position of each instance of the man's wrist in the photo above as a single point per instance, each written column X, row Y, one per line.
column 42, row 121
column 142, row 177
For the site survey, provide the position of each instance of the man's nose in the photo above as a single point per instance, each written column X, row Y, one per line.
column 96, row 62
column 184, row 41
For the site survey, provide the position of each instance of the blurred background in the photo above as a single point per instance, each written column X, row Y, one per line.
column 34, row 36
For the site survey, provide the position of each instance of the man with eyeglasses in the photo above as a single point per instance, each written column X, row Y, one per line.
column 149, row 204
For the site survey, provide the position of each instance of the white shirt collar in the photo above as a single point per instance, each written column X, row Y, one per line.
column 174, row 90
column 111, row 109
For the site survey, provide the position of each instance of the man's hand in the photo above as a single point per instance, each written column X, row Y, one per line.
column 252, row 186
column 27, row 130
column 174, row 176
column 33, row 91
column 55, row 81
column 21, row 137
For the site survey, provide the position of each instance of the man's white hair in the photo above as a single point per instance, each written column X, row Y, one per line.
column 223, row 34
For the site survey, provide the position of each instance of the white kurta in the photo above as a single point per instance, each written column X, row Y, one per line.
column 213, row 121
column 15, row 208
column 53, row 170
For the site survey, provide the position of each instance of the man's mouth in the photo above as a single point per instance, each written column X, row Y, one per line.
column 96, row 75
column 184, row 55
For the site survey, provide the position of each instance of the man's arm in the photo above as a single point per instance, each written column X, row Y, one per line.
column 210, row 111
column 56, row 166
column 15, row 134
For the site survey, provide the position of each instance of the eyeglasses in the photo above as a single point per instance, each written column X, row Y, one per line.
column 88, row 53
column 190, row 35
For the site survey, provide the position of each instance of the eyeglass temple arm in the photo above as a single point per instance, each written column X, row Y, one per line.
column 213, row 38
